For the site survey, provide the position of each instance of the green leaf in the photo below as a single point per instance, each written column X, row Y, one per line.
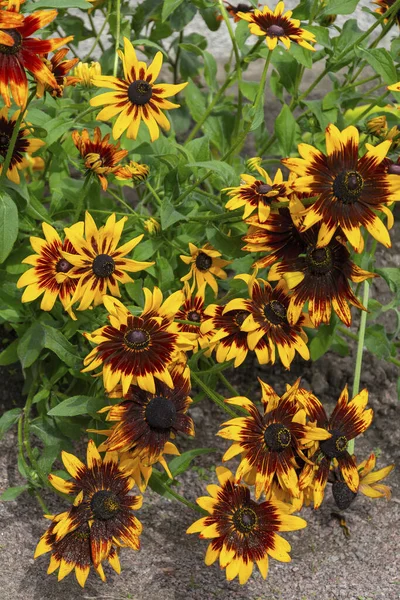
column 377, row 342
column 10, row 354
column 168, row 8
column 158, row 485
column 323, row 339
column 8, row 225
column 144, row 42
column 225, row 171
column 83, row 4
column 30, row 345
column 47, row 458
column 13, row 492
column 302, row 55
column 339, row 7
column 169, row 215
column 77, row 405
column 8, row 419
column 392, row 277
column 381, row 61
column 55, row 341
column 181, row 463
column 285, row 129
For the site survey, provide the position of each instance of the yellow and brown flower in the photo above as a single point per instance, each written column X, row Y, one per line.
column 320, row 276
column 229, row 341
column 193, row 309
column 103, row 501
column 59, row 67
column 26, row 53
column 50, row 274
column 350, row 189
column 86, row 72
column 270, row 442
column 137, row 97
column 257, row 194
column 73, row 552
column 24, row 144
column 242, row 531
column 234, row 10
column 134, row 349
column 100, row 156
column 369, row 483
column 98, row 264
column 9, row 20
column 206, row 264
column 277, row 26
column 267, row 324
column 134, row 172
column 348, row 420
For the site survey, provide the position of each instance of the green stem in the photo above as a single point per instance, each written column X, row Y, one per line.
column 228, row 384
column 154, row 193
column 118, row 33
column 177, row 57
column 181, row 499
column 98, row 36
column 14, row 136
column 369, row 107
column 360, row 348
column 82, row 197
column 122, row 201
column 214, row 397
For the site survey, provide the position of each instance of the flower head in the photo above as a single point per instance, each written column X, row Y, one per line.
column 350, row 189
column 320, row 276
column 24, row 145
column 59, row 67
column 242, row 531
column 50, row 272
column 234, row 10
column 87, row 72
column 257, row 194
column 226, row 336
column 270, row 442
column 98, row 264
column 205, row 264
column 134, row 172
column 193, row 310
column 137, row 97
column 267, row 324
column 348, row 420
column 103, row 501
column 133, row 349
column 26, row 53
column 277, row 26
column 100, row 156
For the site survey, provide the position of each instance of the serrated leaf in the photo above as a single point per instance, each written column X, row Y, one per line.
column 8, row 419
column 381, row 61
column 77, row 405
column 8, row 225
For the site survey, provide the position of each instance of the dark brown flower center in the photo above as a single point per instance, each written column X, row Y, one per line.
column 348, row 186
column 137, row 339
column 17, row 37
column 194, row 316
column 277, row 437
column 63, row 266
column 203, row 261
column 342, row 494
column 160, row 413
column 245, row 518
column 336, row 445
column 319, row 260
column 104, row 505
column 264, row 188
column 140, row 92
column 240, row 8
column 394, row 169
column 103, row 266
column 4, row 143
column 275, row 31
column 240, row 317
column 275, row 312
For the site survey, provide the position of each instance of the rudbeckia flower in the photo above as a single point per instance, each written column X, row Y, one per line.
column 369, row 484
column 26, row 53
column 256, row 194
column 229, row 341
column 242, row 531
column 23, row 145
column 320, row 276
column 205, row 264
column 98, row 263
column 270, row 442
column 134, row 172
column 383, row 7
column 100, row 156
column 137, row 97
column 86, row 72
column 193, row 310
column 9, row 20
column 59, row 67
column 134, row 349
column 103, row 501
column 50, row 274
column 277, row 26
column 145, row 424
column 350, row 189
column 267, row 324
column 73, row 552
column 234, row 10
column 348, row 420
